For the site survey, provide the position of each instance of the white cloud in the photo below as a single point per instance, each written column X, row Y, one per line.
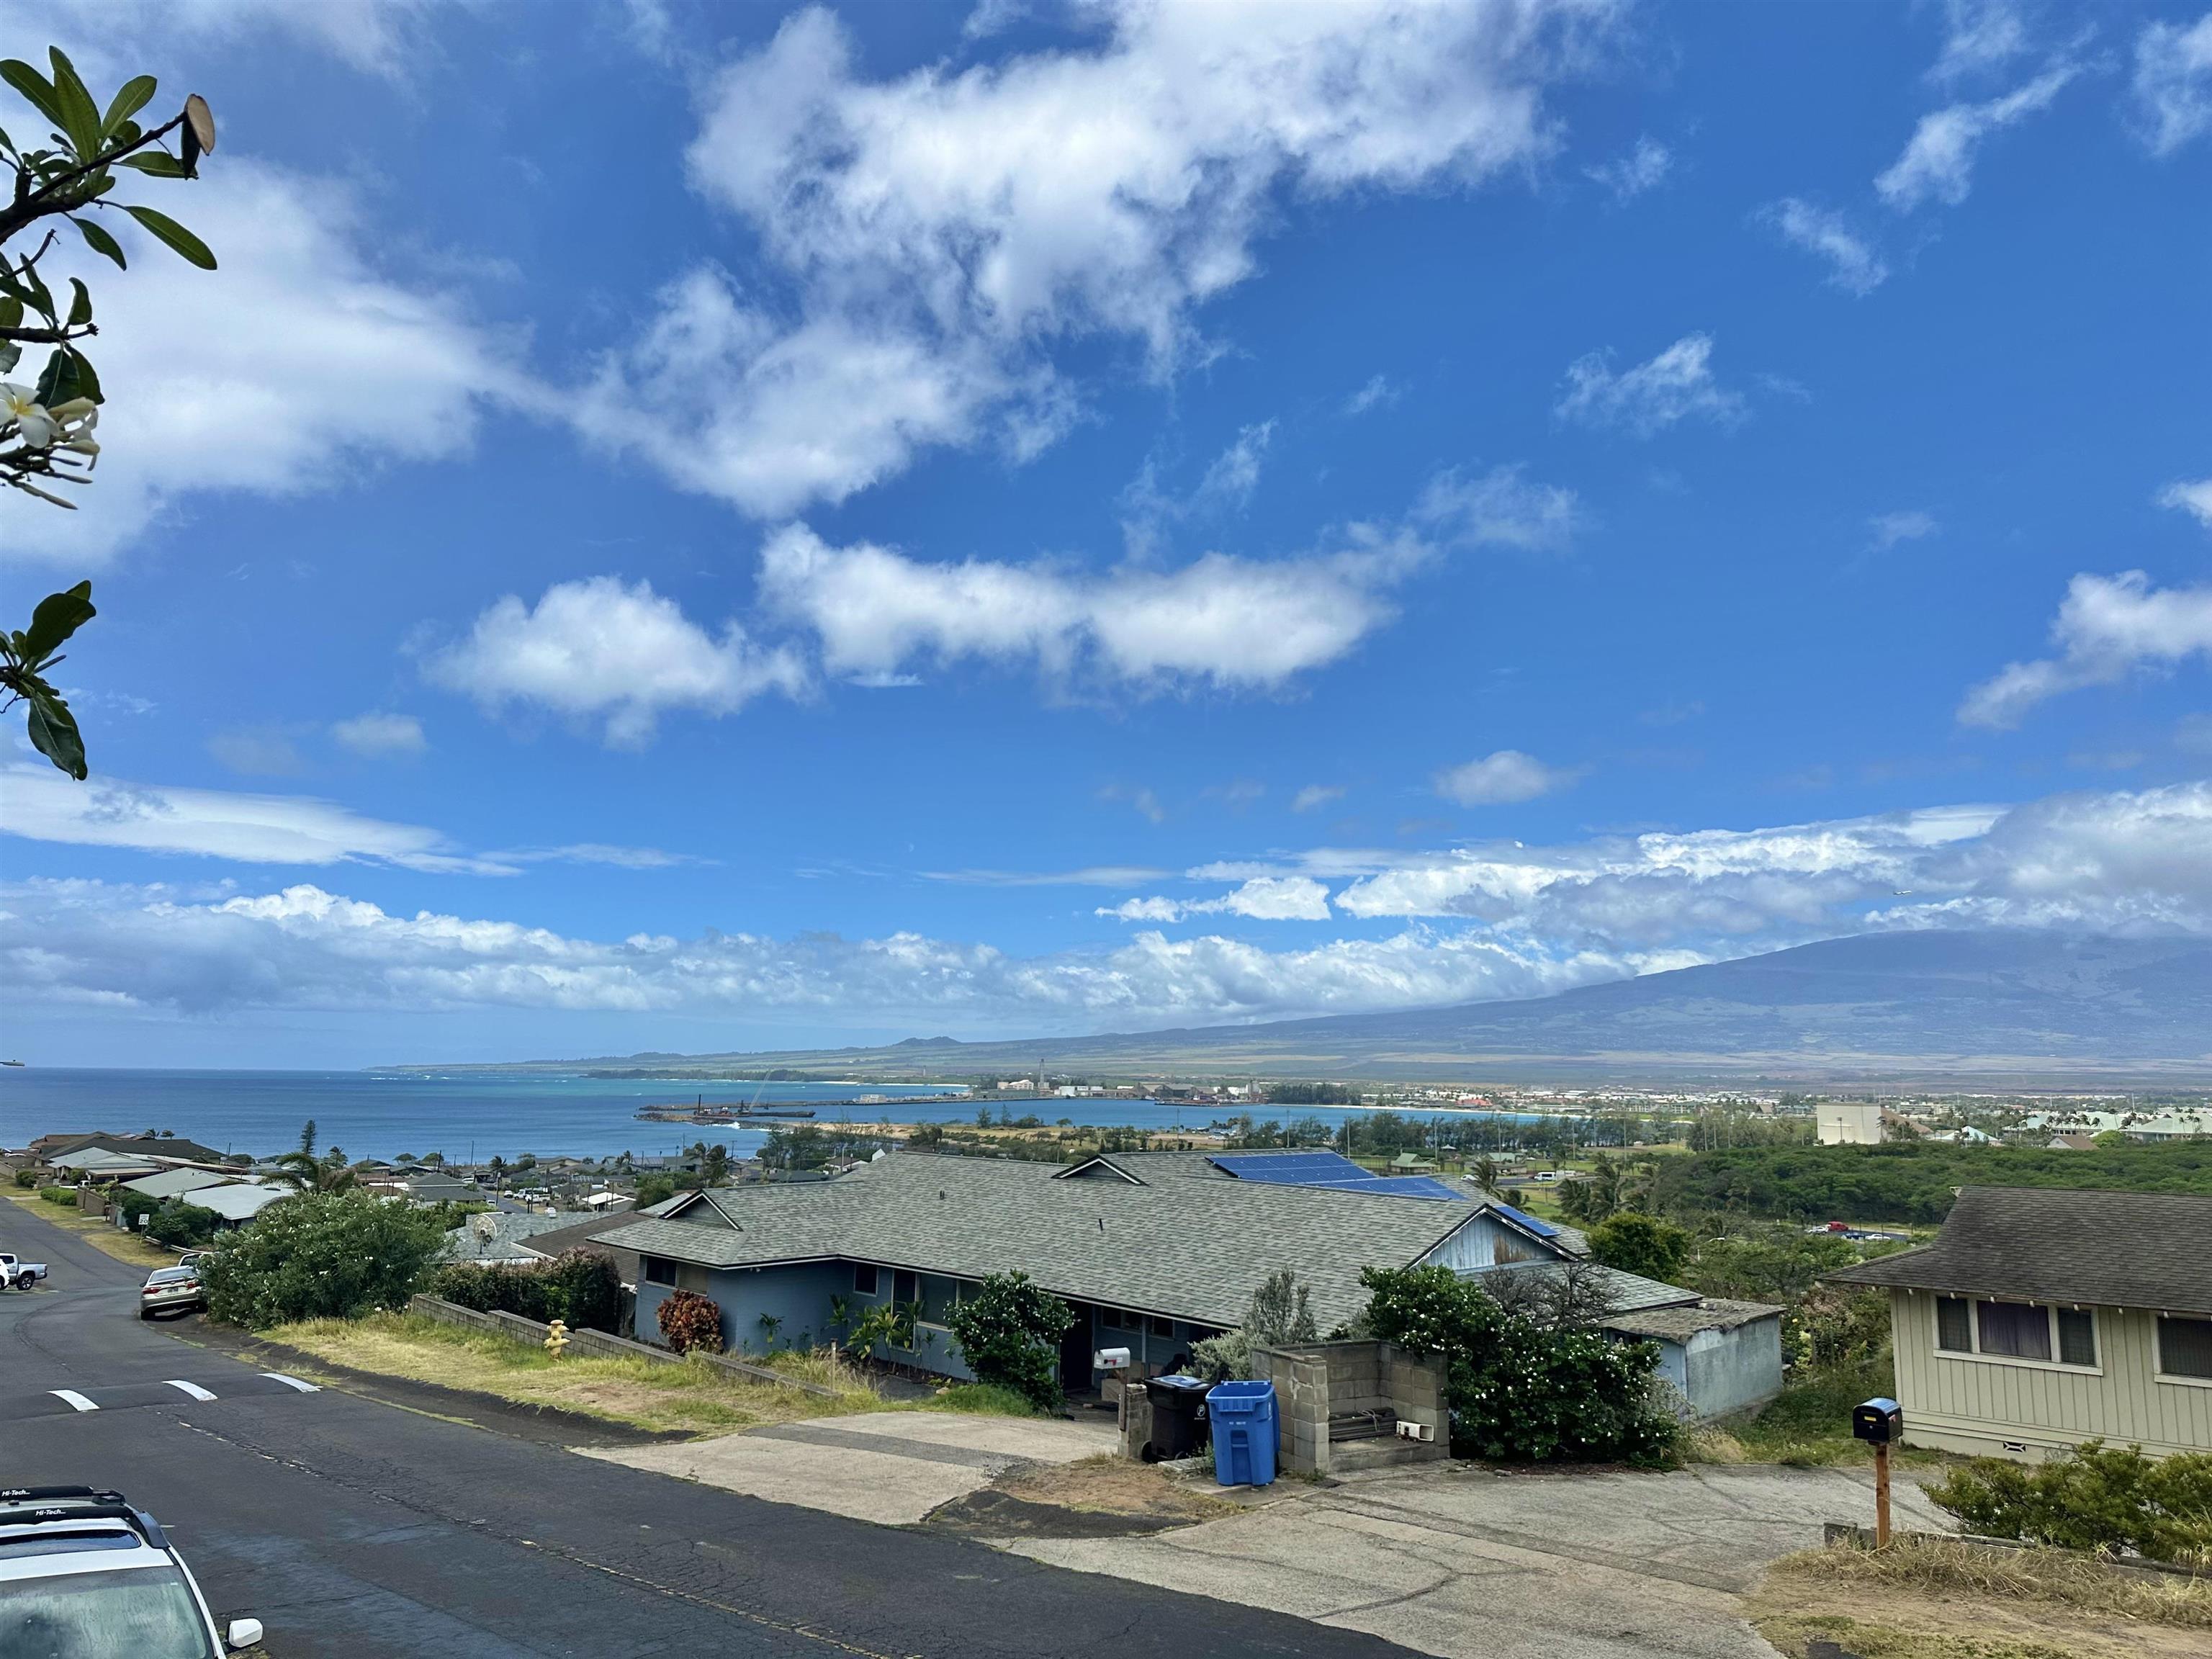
column 1672, row 387
column 293, row 366
column 1235, row 472
column 2107, row 627
column 1888, row 529
column 1938, row 161
column 1854, row 263
column 109, row 40
column 375, row 734
column 1644, row 168
column 2173, row 82
column 1501, row 508
column 1979, row 35
column 931, row 239
column 2193, row 497
column 1226, row 622
column 1315, row 794
column 1262, row 898
column 599, row 852
column 597, row 648
column 38, row 804
column 1379, row 393
column 1502, row 778
column 1495, row 920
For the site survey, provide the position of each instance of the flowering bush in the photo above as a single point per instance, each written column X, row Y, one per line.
column 691, row 1320
column 1009, row 1333
column 579, row 1287
column 321, row 1256
column 1519, row 1392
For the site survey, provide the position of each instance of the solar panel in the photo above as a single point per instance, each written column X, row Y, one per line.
column 1542, row 1229
column 1289, row 1169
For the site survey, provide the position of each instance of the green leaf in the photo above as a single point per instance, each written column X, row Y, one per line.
column 33, row 87
column 87, row 383
column 10, row 354
column 80, row 115
column 159, row 163
column 134, row 96
column 11, row 311
column 80, row 304
column 193, row 250
column 61, row 381
column 58, row 616
column 97, row 239
column 53, row 730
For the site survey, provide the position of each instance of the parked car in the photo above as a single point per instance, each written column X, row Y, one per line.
column 85, row 1576
column 170, row 1288
column 19, row 1275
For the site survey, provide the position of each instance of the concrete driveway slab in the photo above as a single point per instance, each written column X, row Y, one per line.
column 892, row 1467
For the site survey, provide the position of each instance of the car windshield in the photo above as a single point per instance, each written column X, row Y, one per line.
column 171, row 1276
column 148, row 1613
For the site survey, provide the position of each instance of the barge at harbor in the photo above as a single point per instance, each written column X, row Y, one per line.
column 700, row 1112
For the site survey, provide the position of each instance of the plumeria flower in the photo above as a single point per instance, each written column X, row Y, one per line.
column 34, row 425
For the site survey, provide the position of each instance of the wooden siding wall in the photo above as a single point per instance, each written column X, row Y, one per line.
column 1975, row 1405
column 1485, row 1241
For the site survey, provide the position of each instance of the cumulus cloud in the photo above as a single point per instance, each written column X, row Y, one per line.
column 2193, row 497
column 1262, row 898
column 379, row 37
column 377, row 734
column 1674, row 385
column 1500, row 779
column 1221, row 621
column 1854, row 263
column 601, row 650
column 2173, row 82
column 1888, row 529
column 1644, row 168
column 38, row 804
column 1938, row 161
column 930, row 238
column 305, row 365
column 2107, row 627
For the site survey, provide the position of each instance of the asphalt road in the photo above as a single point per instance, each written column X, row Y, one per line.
column 355, row 1527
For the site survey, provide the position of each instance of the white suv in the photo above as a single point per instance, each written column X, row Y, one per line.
column 85, row 1576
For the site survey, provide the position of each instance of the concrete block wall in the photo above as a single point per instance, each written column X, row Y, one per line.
column 1318, row 1380
column 598, row 1342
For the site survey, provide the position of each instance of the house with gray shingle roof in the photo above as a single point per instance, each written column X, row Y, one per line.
column 2042, row 1317
column 1152, row 1251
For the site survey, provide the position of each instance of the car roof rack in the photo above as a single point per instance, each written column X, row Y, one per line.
column 33, row 1505
column 44, row 1494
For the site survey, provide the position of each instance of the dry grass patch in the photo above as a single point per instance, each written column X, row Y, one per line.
column 102, row 1236
column 1930, row 1598
column 694, row 1396
column 1111, row 1483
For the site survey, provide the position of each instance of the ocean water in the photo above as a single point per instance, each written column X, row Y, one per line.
column 469, row 1115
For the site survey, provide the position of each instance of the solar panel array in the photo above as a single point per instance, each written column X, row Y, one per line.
column 1542, row 1229
column 1329, row 1170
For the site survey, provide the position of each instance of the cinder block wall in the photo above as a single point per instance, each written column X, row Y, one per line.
column 1317, row 1380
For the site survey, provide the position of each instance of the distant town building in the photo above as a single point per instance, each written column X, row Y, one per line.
column 1849, row 1123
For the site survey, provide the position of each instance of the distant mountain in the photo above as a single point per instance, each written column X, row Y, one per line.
column 2005, row 1006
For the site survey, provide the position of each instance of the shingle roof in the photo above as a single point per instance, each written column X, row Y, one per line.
column 1162, row 1248
column 2051, row 1244
column 1681, row 1322
column 599, row 1233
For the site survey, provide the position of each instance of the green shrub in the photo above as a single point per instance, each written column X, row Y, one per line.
column 2096, row 1498
column 579, row 1287
column 1637, row 1243
column 26, row 1178
column 692, row 1323
column 59, row 1195
column 1009, row 1333
column 321, row 1256
column 1280, row 1314
column 1519, row 1392
column 181, row 1227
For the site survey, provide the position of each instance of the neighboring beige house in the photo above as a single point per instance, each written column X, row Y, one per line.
column 2040, row 1318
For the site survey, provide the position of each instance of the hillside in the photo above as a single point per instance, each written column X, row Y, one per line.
column 2005, row 1007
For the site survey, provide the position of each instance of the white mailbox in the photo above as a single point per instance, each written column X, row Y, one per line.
column 1110, row 1359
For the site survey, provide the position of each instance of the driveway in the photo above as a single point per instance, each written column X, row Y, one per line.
column 1465, row 1563
column 892, row 1467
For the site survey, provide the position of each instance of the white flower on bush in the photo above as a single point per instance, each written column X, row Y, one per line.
column 37, row 427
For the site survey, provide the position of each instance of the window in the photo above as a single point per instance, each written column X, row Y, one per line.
column 658, row 1270
column 1162, row 1327
column 905, row 1288
column 1955, row 1328
column 2077, row 1337
column 1109, row 1319
column 2184, row 1347
column 2016, row 1330
column 864, row 1277
column 937, row 1295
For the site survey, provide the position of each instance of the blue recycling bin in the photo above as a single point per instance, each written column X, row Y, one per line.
column 1243, row 1417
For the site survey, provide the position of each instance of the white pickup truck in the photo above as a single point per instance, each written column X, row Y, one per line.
column 18, row 1275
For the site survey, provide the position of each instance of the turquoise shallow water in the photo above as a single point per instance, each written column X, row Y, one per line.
column 474, row 1115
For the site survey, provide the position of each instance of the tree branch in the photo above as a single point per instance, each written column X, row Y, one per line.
column 25, row 208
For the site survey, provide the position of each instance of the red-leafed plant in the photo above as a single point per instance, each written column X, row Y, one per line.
column 691, row 1320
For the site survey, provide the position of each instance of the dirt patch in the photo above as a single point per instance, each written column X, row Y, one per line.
column 1111, row 1483
column 1898, row 1607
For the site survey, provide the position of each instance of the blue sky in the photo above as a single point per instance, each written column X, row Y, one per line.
column 698, row 526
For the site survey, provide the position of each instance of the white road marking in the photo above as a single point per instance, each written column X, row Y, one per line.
column 291, row 1383
column 192, row 1389
column 73, row 1398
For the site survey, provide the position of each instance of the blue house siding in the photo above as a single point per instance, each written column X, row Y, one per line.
column 797, row 1295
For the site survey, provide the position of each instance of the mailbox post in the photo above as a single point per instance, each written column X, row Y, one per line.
column 1879, row 1422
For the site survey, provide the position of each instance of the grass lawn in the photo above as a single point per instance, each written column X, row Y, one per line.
column 700, row 1399
column 139, row 1252
column 1928, row 1599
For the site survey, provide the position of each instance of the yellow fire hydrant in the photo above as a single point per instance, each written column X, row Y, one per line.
column 556, row 1339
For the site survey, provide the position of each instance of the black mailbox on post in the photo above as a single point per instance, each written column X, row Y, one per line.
column 1880, row 1421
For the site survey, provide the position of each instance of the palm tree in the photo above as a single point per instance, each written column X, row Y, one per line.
column 1486, row 1177
column 306, row 1173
